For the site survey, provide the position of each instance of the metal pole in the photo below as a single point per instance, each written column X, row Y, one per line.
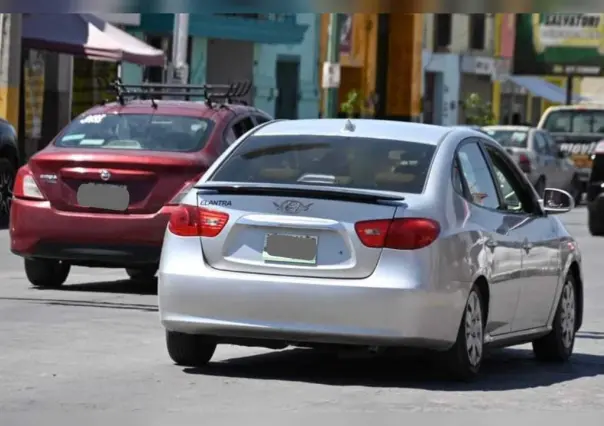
column 330, row 98
column 179, row 69
column 10, row 68
column 569, row 89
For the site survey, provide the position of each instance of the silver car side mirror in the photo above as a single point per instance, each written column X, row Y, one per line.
column 557, row 201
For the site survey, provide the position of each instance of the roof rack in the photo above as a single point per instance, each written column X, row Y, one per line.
column 212, row 93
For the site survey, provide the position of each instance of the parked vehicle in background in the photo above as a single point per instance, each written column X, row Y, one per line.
column 539, row 157
column 468, row 126
column 101, row 193
column 369, row 234
column 576, row 129
column 595, row 192
column 9, row 163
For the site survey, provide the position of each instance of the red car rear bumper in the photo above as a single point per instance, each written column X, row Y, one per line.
column 37, row 230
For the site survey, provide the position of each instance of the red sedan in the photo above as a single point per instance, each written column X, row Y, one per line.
column 101, row 193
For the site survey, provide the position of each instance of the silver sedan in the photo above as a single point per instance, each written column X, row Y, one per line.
column 370, row 234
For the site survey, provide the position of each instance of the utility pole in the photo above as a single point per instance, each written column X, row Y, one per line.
column 178, row 68
column 331, row 68
column 10, row 68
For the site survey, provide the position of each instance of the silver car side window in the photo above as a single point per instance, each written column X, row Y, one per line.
column 476, row 172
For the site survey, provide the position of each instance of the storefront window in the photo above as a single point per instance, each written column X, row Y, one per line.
column 91, row 84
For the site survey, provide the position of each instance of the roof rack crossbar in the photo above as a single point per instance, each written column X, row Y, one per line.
column 176, row 86
column 174, row 93
column 210, row 92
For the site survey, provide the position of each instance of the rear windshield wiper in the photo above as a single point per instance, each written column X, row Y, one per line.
column 305, row 191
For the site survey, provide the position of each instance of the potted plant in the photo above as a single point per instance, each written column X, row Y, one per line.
column 355, row 106
column 478, row 112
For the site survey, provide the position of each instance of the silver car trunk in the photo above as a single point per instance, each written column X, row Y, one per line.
column 304, row 234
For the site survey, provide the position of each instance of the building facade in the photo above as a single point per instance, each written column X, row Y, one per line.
column 276, row 52
column 458, row 60
column 380, row 56
column 472, row 53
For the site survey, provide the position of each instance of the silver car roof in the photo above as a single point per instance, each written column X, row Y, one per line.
column 363, row 128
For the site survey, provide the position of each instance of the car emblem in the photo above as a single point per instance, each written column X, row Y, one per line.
column 105, row 175
column 292, row 206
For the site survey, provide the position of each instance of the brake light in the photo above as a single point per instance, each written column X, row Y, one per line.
column 26, row 186
column 398, row 234
column 191, row 221
column 599, row 148
column 525, row 163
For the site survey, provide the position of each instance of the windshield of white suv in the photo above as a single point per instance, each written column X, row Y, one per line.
column 575, row 121
column 149, row 132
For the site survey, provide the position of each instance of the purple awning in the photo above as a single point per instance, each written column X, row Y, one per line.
column 83, row 34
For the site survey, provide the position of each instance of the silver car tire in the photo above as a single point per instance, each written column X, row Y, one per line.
column 557, row 346
column 190, row 350
column 464, row 358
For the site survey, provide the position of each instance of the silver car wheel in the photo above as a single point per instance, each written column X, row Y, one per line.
column 568, row 314
column 473, row 329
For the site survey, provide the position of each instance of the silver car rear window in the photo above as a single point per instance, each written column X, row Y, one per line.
column 381, row 164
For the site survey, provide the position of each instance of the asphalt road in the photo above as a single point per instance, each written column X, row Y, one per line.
column 93, row 352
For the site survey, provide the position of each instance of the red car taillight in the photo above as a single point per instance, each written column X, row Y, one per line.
column 191, row 221
column 398, row 234
column 525, row 163
column 184, row 191
column 25, row 185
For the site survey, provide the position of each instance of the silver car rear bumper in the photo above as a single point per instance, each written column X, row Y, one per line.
column 195, row 298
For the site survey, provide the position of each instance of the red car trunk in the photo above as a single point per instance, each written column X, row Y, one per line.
column 133, row 182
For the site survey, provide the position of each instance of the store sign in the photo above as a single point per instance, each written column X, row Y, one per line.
column 332, row 75
column 559, row 44
column 497, row 68
column 345, row 33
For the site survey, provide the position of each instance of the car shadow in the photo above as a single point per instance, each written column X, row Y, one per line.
column 148, row 288
column 505, row 369
column 144, row 307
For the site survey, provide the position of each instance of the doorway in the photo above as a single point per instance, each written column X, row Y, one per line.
column 287, row 73
column 230, row 61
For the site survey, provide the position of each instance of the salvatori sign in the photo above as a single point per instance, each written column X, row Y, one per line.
column 559, row 44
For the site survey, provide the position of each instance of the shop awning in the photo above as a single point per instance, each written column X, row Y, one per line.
column 84, row 34
column 544, row 89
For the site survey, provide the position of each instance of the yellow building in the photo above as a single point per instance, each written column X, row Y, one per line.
column 505, row 27
column 383, row 63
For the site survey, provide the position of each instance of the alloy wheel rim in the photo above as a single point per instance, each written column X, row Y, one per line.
column 6, row 192
column 567, row 314
column 473, row 329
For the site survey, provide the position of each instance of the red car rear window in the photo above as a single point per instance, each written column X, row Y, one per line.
column 149, row 132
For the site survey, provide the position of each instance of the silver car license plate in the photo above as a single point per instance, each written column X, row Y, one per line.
column 103, row 196
column 286, row 248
